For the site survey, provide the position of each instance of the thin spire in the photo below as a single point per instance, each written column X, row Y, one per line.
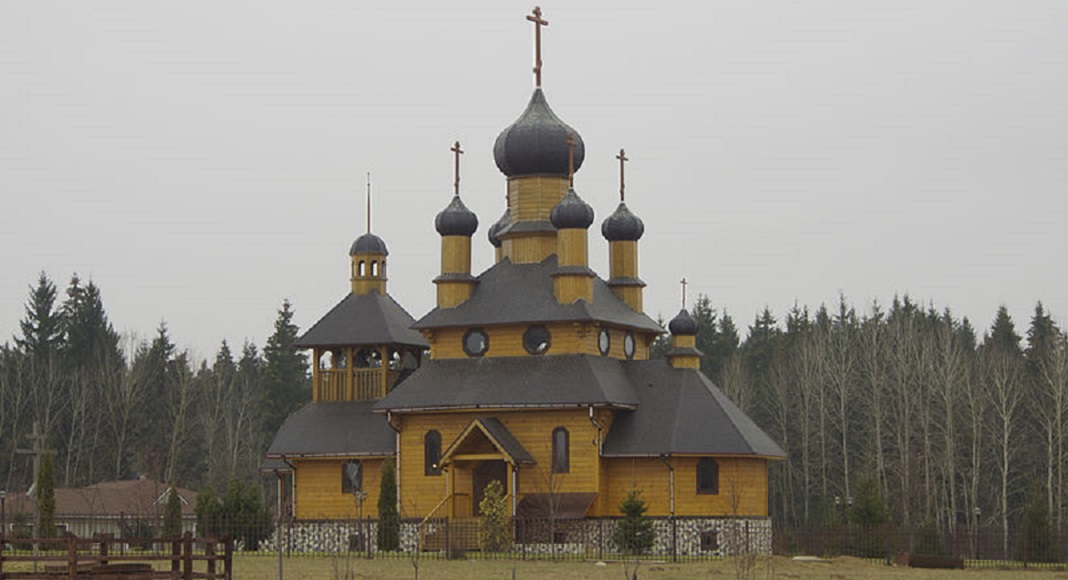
column 456, row 183
column 684, row 284
column 571, row 159
column 622, row 157
column 536, row 18
column 368, row 202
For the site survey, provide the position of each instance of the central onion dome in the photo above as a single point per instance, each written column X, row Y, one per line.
column 497, row 227
column 571, row 213
column 369, row 244
column 683, row 324
column 622, row 226
column 456, row 219
column 536, row 143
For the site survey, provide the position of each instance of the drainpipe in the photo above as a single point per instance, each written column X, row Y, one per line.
column 396, row 460
column 671, row 493
column 600, row 428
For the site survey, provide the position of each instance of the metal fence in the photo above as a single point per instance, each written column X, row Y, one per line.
column 675, row 539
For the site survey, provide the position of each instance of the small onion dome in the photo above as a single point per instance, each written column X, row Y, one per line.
column 497, row 227
column 622, row 226
column 536, row 143
column 571, row 213
column 456, row 219
column 369, row 244
column 683, row 324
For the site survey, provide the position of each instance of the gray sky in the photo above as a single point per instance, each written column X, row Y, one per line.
column 201, row 161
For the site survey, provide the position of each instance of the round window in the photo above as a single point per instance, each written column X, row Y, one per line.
column 604, row 341
column 476, row 343
column 536, row 340
column 628, row 345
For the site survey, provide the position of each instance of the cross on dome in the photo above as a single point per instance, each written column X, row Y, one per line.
column 536, row 18
column 622, row 157
column 457, row 151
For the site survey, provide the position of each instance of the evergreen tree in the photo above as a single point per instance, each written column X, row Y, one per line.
column 662, row 343
column 388, row 534
column 172, row 514
column 42, row 328
column 91, row 339
column 285, row 376
column 869, row 509
column 494, row 532
column 634, row 534
column 46, row 498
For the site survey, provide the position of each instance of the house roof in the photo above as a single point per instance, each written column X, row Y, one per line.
column 498, row 435
column 370, row 318
column 680, row 411
column 334, row 429
column 133, row 497
column 527, row 381
column 505, row 285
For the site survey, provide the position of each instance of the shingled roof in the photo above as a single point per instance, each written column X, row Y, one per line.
column 369, row 318
column 529, row 381
column 681, row 411
column 505, row 285
column 334, row 429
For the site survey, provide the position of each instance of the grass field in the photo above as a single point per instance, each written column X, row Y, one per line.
column 307, row 568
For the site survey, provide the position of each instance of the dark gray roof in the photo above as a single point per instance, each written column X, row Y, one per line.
column 500, row 436
column 622, row 225
column 369, row 244
column 531, row 381
column 334, row 429
column 536, row 143
column 683, row 324
column 456, row 219
column 681, row 411
column 506, row 285
column 496, row 228
column 363, row 319
column 571, row 212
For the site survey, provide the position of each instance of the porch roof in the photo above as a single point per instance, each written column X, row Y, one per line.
column 497, row 434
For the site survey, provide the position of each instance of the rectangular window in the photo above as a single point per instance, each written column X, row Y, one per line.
column 561, row 452
column 351, row 477
column 707, row 476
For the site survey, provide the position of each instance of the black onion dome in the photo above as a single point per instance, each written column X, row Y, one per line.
column 497, row 227
column 571, row 212
column 536, row 143
column 683, row 324
column 622, row 226
column 369, row 244
column 456, row 219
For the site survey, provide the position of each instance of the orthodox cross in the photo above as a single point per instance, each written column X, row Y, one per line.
column 368, row 202
column 684, row 283
column 456, row 150
column 536, row 18
column 37, row 449
column 622, row 157
column 571, row 159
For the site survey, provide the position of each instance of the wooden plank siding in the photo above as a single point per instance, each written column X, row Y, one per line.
column 420, row 493
column 567, row 338
column 743, row 486
column 318, row 488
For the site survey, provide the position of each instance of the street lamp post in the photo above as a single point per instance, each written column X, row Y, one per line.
column 976, row 512
column 3, row 517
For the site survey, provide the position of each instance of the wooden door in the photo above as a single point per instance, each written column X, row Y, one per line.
column 484, row 473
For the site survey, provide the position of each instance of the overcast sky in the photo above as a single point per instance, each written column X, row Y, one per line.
column 201, row 161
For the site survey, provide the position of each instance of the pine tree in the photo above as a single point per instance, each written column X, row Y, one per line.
column 388, row 534
column 285, row 376
column 46, row 498
column 494, row 531
column 172, row 514
column 634, row 534
column 42, row 328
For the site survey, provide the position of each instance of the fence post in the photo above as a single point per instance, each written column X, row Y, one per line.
column 209, row 551
column 674, row 540
column 103, row 551
column 600, row 539
column 72, row 558
column 187, row 560
column 176, row 556
column 229, row 557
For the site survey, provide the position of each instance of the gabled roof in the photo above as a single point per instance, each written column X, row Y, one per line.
column 680, row 411
column 497, row 434
column 132, row 497
column 527, row 381
column 334, row 429
column 369, row 318
column 505, row 285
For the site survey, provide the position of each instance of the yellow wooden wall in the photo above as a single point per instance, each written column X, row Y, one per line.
column 318, row 489
column 533, row 429
column 567, row 338
column 743, row 486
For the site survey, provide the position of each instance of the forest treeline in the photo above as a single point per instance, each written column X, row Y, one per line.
column 113, row 407
column 954, row 427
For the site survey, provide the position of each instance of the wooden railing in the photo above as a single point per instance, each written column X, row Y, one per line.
column 94, row 558
column 355, row 384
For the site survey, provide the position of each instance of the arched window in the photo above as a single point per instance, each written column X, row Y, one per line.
column 707, row 476
column 431, row 453
column 374, row 267
column 351, row 477
column 361, row 271
column 561, row 450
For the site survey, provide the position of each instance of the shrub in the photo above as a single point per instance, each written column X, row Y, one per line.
column 634, row 534
column 495, row 535
column 388, row 535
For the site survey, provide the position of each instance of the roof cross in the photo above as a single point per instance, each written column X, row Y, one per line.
column 536, row 18
column 684, row 284
column 622, row 157
column 457, row 151
column 571, row 159
column 368, row 202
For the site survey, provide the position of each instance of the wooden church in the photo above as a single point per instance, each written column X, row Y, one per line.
column 535, row 373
